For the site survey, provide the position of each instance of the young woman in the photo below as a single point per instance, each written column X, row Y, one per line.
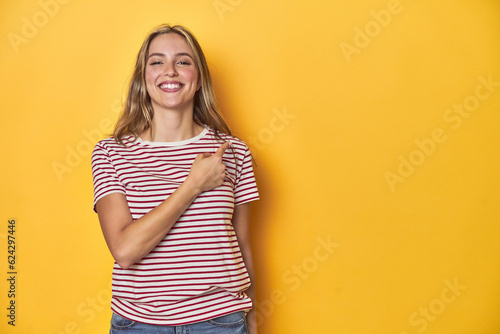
column 172, row 189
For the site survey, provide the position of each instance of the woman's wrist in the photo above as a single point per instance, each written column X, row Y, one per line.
column 191, row 187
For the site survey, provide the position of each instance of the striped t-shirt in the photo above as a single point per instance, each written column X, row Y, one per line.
column 197, row 271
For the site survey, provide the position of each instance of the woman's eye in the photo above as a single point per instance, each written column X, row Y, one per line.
column 184, row 63
column 155, row 63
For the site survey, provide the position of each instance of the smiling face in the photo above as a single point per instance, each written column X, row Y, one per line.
column 171, row 74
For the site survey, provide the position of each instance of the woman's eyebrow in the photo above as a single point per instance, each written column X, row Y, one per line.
column 163, row 55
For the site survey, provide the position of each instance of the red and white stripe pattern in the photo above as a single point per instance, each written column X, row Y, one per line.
column 197, row 271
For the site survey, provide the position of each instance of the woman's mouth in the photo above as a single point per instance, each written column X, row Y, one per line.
column 170, row 86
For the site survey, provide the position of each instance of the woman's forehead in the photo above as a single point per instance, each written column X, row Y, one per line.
column 169, row 43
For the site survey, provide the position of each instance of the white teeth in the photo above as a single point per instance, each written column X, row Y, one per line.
column 170, row 86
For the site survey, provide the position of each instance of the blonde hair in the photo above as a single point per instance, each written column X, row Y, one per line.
column 138, row 113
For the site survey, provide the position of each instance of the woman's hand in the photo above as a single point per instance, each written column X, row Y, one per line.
column 208, row 171
column 252, row 321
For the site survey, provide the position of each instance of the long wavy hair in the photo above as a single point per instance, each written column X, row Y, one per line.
column 138, row 114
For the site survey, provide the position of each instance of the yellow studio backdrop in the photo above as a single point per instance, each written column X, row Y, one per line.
column 374, row 125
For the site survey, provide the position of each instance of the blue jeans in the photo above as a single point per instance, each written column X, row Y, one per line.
column 234, row 323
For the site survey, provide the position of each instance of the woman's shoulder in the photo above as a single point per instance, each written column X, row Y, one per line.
column 111, row 143
column 237, row 144
column 222, row 137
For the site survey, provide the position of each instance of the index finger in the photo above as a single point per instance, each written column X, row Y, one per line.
column 222, row 149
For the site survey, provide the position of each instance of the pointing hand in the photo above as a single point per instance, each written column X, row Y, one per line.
column 208, row 171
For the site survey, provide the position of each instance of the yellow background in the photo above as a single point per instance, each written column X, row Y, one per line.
column 333, row 97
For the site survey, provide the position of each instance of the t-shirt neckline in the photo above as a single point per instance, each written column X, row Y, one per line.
column 174, row 143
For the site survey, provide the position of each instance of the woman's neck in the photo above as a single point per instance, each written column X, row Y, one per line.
column 172, row 127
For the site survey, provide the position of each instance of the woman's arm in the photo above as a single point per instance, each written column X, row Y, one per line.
column 241, row 218
column 129, row 240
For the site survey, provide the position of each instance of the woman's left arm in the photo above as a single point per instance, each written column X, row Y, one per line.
column 241, row 219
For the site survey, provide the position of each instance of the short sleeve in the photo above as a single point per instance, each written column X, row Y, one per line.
column 106, row 180
column 245, row 189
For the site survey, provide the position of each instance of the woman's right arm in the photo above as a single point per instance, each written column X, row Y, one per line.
column 129, row 240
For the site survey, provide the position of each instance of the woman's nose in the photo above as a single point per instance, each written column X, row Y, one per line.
column 170, row 71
